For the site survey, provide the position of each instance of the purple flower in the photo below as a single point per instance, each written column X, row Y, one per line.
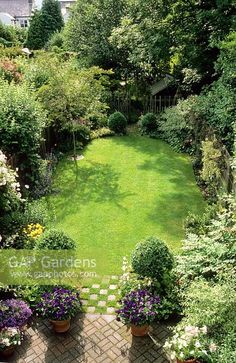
column 14, row 313
column 59, row 304
column 139, row 307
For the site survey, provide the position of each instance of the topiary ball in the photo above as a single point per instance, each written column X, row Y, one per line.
column 55, row 240
column 148, row 123
column 117, row 122
column 152, row 258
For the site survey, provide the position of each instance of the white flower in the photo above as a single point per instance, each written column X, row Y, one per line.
column 6, row 342
column 172, row 356
column 197, row 344
column 204, row 329
column 181, row 355
column 212, row 347
column 26, row 186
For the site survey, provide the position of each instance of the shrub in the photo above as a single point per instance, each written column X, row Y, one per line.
column 14, row 313
column 208, row 255
column 117, row 122
column 168, row 292
column 21, row 123
column 56, row 40
column 103, row 132
column 148, row 124
column 152, row 258
column 177, row 125
column 55, row 240
column 59, row 304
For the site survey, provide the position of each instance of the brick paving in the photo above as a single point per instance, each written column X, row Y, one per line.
column 91, row 339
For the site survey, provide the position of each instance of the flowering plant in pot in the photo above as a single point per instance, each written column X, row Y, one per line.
column 9, row 338
column 59, row 305
column 189, row 344
column 138, row 310
column 14, row 313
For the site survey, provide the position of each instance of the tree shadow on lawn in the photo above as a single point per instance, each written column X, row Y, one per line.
column 172, row 209
column 80, row 185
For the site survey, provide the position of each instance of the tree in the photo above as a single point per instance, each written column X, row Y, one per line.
column 88, row 29
column 44, row 23
column 169, row 36
column 35, row 39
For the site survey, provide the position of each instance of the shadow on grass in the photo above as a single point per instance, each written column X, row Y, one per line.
column 83, row 183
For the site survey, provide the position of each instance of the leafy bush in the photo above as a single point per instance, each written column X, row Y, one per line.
column 152, row 258
column 56, row 40
column 21, row 139
column 12, row 52
column 199, row 224
column 148, row 124
column 117, row 122
column 177, row 125
column 55, row 240
column 214, row 305
column 102, row 132
column 168, row 292
column 208, row 255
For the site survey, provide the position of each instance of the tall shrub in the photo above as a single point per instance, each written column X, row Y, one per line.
column 21, row 123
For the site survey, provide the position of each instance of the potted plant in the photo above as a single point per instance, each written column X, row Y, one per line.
column 59, row 305
column 188, row 344
column 138, row 310
column 14, row 313
column 9, row 338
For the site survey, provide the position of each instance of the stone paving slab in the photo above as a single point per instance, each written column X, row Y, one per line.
column 91, row 339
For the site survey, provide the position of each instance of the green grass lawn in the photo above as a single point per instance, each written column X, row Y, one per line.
column 124, row 190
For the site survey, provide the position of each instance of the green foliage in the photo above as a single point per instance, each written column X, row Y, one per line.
column 72, row 96
column 152, row 258
column 177, row 125
column 211, row 162
column 44, row 23
column 117, row 122
column 208, row 255
column 214, row 305
column 35, row 37
column 54, row 239
column 148, row 124
column 56, row 41
column 21, row 124
column 88, row 29
column 12, row 52
column 102, row 132
column 199, row 224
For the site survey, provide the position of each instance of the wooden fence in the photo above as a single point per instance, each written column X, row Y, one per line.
column 158, row 104
column 153, row 104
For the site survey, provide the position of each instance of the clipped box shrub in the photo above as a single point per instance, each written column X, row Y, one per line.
column 152, row 258
column 148, row 124
column 117, row 122
column 55, row 240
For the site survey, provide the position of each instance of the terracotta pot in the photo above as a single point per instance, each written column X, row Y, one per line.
column 187, row 361
column 60, row 326
column 8, row 351
column 139, row 331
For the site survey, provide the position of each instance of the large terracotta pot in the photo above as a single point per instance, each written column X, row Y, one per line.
column 187, row 361
column 8, row 351
column 139, row 331
column 60, row 326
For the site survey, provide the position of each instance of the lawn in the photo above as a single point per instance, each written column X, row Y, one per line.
column 124, row 190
